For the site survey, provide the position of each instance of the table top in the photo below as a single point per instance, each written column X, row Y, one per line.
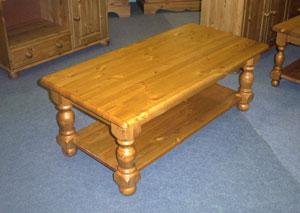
column 290, row 27
column 134, row 84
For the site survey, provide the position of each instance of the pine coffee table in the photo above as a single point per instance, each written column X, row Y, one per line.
column 148, row 97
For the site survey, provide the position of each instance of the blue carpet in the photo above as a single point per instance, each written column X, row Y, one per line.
column 241, row 162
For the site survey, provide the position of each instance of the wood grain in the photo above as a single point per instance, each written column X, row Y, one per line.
column 44, row 49
column 223, row 15
column 149, row 96
column 166, row 69
column 162, row 133
column 152, row 6
column 120, row 7
column 36, row 30
column 248, row 18
column 87, row 21
column 290, row 27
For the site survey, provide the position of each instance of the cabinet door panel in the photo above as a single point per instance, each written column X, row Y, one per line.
column 4, row 50
column 223, row 15
column 87, row 21
column 294, row 8
column 255, row 19
column 278, row 12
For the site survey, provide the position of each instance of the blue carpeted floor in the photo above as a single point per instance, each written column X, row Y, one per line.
column 242, row 162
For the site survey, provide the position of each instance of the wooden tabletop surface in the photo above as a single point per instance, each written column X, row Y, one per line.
column 134, row 84
column 290, row 27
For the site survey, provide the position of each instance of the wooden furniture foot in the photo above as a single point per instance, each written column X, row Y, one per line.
column 105, row 42
column 13, row 75
column 65, row 119
column 246, row 80
column 279, row 59
column 127, row 175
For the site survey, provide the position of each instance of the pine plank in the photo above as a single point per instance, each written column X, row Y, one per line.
column 162, row 133
column 139, row 82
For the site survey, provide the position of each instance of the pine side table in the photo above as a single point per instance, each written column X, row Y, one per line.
column 120, row 7
column 152, row 6
column 148, row 97
column 287, row 32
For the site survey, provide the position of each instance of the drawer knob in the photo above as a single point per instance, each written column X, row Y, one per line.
column 76, row 18
column 29, row 54
column 59, row 45
column 298, row 9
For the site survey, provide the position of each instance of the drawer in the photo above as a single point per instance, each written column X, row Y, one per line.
column 40, row 51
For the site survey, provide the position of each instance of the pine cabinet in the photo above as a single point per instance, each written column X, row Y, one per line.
column 35, row 31
column 249, row 18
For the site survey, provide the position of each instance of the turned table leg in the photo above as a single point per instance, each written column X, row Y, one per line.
column 127, row 175
column 246, row 81
column 279, row 59
column 65, row 119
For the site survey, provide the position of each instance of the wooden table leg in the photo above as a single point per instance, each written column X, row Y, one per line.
column 65, row 119
column 127, row 175
column 279, row 59
column 246, row 81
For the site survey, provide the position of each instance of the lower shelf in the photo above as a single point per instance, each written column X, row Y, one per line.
column 18, row 36
column 292, row 72
column 162, row 133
